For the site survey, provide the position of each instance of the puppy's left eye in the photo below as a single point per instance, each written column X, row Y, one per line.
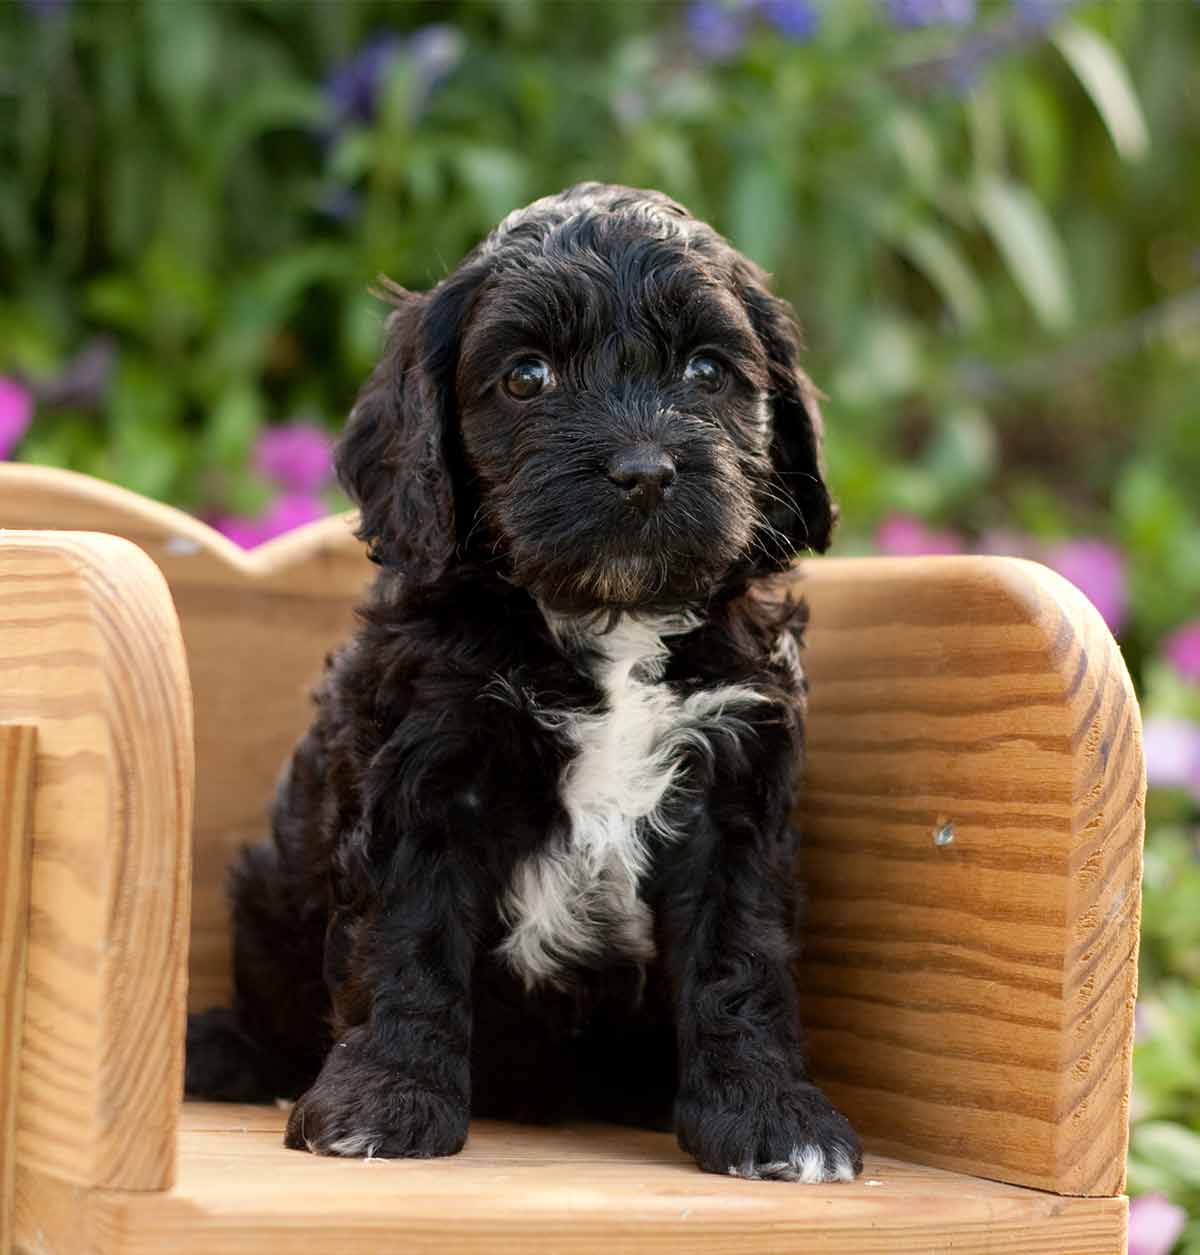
column 527, row 378
column 705, row 371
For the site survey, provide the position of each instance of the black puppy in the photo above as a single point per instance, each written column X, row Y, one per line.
column 533, row 858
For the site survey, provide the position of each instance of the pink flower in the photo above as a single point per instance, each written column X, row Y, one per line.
column 16, row 412
column 1006, row 543
column 1172, row 751
column 241, row 530
column 1155, row 1224
column 1182, row 649
column 903, row 536
column 1097, row 569
column 289, row 510
column 298, row 457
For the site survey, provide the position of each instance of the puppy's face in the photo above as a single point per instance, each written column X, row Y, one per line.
column 613, row 401
column 604, row 399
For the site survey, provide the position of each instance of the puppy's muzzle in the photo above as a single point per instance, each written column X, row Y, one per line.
column 643, row 472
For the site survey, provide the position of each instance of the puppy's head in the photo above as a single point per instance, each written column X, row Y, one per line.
column 604, row 399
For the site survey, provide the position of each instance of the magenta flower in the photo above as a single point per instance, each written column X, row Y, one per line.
column 1003, row 542
column 288, row 511
column 1172, row 751
column 298, row 457
column 1182, row 648
column 1155, row 1224
column 16, row 412
column 1097, row 569
column 903, row 536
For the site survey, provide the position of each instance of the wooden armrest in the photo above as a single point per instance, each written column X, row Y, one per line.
column 91, row 657
column 973, row 822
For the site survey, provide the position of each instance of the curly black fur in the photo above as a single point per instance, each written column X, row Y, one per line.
column 375, row 975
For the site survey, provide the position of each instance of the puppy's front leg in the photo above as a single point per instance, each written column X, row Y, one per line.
column 397, row 1082
column 745, row 1105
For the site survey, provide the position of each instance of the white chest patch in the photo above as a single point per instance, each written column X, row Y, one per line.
column 580, row 893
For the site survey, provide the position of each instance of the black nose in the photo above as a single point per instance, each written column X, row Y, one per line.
column 644, row 471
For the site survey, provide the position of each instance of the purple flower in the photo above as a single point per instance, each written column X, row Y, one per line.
column 913, row 14
column 289, row 510
column 1039, row 14
column 717, row 29
column 298, row 457
column 1172, row 751
column 46, row 9
column 903, row 536
column 16, row 413
column 435, row 51
column 243, row 531
column 1097, row 569
column 353, row 88
column 1182, row 649
column 83, row 381
column 796, row 19
column 1155, row 1224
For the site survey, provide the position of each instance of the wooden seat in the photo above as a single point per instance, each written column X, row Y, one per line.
column 972, row 820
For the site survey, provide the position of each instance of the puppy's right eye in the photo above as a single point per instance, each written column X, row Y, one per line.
column 527, row 378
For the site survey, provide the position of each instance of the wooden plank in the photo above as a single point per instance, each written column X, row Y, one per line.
column 256, row 628
column 16, row 799
column 567, row 1191
column 90, row 654
column 970, row 1004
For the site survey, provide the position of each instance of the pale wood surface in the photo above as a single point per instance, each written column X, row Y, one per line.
column 572, row 1190
column 90, row 654
column 17, row 744
column 256, row 627
column 971, row 1004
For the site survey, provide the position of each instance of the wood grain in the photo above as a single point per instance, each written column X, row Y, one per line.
column 256, row 628
column 90, row 654
column 971, row 1004
column 17, row 744
column 570, row 1191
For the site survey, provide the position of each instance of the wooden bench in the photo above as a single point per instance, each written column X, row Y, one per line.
column 973, row 824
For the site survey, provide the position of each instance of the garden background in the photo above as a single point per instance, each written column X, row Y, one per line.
column 986, row 213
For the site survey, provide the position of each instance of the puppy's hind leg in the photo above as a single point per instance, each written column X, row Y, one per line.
column 270, row 1043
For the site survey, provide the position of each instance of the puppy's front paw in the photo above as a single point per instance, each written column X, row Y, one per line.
column 359, row 1109
column 790, row 1135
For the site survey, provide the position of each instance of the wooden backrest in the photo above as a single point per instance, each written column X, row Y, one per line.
column 972, row 820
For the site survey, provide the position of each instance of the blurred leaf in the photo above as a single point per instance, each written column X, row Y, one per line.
column 1025, row 235
column 496, row 180
column 234, row 422
column 915, row 142
column 263, row 107
column 759, row 206
column 935, row 254
column 1170, row 1147
column 1104, row 77
column 963, row 454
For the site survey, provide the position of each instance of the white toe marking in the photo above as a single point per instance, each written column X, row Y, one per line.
column 808, row 1164
column 355, row 1146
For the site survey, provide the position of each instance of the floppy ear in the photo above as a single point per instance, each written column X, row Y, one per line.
column 800, row 507
column 396, row 453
